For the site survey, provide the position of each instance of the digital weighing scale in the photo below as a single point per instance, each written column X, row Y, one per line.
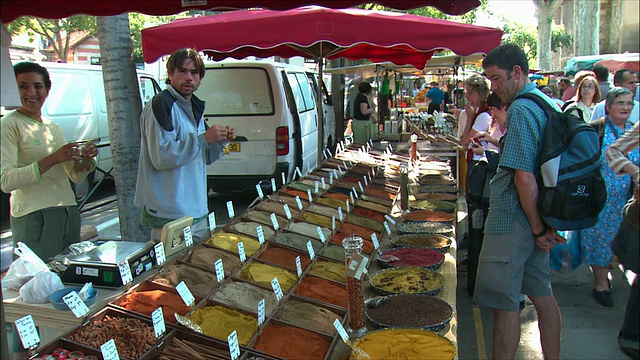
column 100, row 265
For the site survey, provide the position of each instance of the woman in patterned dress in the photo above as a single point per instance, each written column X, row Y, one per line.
column 596, row 241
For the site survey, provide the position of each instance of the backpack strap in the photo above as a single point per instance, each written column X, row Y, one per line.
column 545, row 106
column 598, row 125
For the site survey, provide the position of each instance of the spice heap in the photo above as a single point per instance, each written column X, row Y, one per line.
column 406, row 344
column 133, row 337
column 206, row 257
column 246, row 297
column 407, row 280
column 420, row 257
column 264, row 218
column 429, row 215
column 318, row 219
column 229, row 241
column 329, row 270
column 219, row 321
column 435, row 241
column 200, row 282
column 410, row 310
column 297, row 241
column 322, row 290
column 249, row 228
column 291, row 343
column 263, row 274
column 284, row 257
column 309, row 316
column 146, row 302
column 189, row 350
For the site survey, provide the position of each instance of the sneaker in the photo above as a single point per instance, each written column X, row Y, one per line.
column 604, row 297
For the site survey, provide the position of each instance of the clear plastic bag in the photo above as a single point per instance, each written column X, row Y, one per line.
column 38, row 289
column 24, row 268
column 568, row 256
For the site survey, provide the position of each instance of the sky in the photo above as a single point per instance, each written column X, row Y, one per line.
column 521, row 11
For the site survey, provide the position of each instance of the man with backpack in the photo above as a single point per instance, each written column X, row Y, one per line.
column 514, row 256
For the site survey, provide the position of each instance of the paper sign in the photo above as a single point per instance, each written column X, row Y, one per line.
column 260, row 233
column 287, row 212
column 234, row 347
column 386, row 226
column 324, row 185
column 348, row 210
column 188, row 237
column 159, row 327
column 299, row 266
column 185, row 293
column 357, row 266
column 109, row 350
column 27, row 332
column 259, row 190
column 219, row 270
column 274, row 221
column 299, row 202
column 374, row 239
column 230, row 210
column 390, row 219
column 340, row 215
column 125, row 272
column 312, row 254
column 273, row 185
column 316, row 187
column 75, row 304
column 284, row 178
column 321, row 234
column 277, row 290
column 333, row 223
column 309, row 195
column 212, row 221
column 161, row 257
column 343, row 333
column 241, row 253
column 261, row 312
column 361, row 187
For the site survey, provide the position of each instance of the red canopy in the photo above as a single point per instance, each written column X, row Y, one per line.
column 316, row 32
column 629, row 61
column 55, row 9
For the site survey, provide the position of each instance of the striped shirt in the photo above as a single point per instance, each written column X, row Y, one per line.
column 522, row 144
column 617, row 152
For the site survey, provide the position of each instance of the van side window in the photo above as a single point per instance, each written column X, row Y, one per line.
column 147, row 89
column 302, row 92
column 82, row 101
column 237, row 92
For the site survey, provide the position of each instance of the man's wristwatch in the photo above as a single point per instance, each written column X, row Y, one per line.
column 544, row 231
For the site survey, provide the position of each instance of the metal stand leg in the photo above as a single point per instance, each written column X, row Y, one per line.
column 94, row 187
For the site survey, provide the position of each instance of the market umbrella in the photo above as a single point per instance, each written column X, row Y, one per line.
column 318, row 33
column 12, row 9
column 629, row 61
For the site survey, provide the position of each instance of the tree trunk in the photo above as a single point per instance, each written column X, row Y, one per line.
column 123, row 108
column 615, row 26
column 544, row 12
column 568, row 10
column 587, row 25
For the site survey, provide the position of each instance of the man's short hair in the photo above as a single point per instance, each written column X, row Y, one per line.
column 179, row 56
column 434, row 83
column 565, row 80
column 602, row 73
column 618, row 77
column 364, row 87
column 28, row 67
column 506, row 56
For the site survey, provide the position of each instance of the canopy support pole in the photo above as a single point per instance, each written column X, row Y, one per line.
column 320, row 109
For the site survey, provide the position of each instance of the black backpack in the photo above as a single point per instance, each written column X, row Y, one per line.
column 571, row 189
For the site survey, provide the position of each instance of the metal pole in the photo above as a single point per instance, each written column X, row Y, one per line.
column 320, row 108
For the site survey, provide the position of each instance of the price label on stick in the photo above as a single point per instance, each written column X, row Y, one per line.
column 75, row 304
column 261, row 312
column 366, row 181
column 234, row 346
column 352, row 199
column 241, row 253
column 273, row 185
column 161, row 257
column 125, row 272
column 374, row 239
column 159, row 327
column 277, row 290
column 331, row 178
column 27, row 332
column 298, row 172
column 333, row 223
column 260, row 234
column 341, row 331
column 321, row 234
column 324, row 184
column 390, row 219
column 340, row 215
column 274, row 221
column 299, row 202
column 188, row 237
column 284, row 178
column 355, row 192
column 361, row 187
column 348, row 210
column 287, row 212
column 230, row 210
column 309, row 195
column 109, row 350
column 212, row 220
column 298, row 266
column 259, row 190
column 185, row 293
column 219, row 270
column 386, row 226
column 312, row 253
column 316, row 187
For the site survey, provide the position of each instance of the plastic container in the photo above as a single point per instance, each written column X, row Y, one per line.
column 355, row 289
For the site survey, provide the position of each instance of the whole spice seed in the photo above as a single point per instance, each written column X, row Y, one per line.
column 355, row 293
column 420, row 257
column 411, row 310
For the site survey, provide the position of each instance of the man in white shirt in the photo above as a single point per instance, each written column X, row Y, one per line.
column 625, row 78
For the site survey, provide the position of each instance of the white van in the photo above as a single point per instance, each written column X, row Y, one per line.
column 273, row 107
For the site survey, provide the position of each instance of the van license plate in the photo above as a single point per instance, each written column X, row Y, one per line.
column 234, row 147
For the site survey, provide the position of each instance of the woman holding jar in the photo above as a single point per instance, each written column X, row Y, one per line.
column 37, row 164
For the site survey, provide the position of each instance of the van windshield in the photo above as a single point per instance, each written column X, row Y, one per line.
column 236, row 92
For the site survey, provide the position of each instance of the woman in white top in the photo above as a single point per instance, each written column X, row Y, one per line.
column 478, row 116
column 588, row 95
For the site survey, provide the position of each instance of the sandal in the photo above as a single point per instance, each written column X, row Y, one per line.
column 604, row 297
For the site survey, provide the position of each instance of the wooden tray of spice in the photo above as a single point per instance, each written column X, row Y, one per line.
column 436, row 205
column 407, row 280
column 425, row 227
column 409, row 310
column 439, row 242
column 412, row 256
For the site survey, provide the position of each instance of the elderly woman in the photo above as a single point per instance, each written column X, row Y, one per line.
column 37, row 164
column 588, row 95
column 596, row 241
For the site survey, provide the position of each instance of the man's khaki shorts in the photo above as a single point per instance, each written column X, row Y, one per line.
column 510, row 265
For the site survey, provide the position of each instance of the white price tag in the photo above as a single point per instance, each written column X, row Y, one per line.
column 340, row 169
column 366, row 180
column 259, row 190
column 230, row 210
column 109, row 350
column 324, row 184
column 158, row 249
column 287, row 212
column 188, row 237
column 343, row 333
column 352, row 199
column 340, row 215
column 125, row 272
column 386, row 226
column 75, row 304
column 316, row 187
column 348, row 209
column 212, row 220
column 309, row 195
column 234, row 346
column 331, row 177
column 185, row 293
column 159, row 327
column 361, row 187
column 321, row 234
column 273, row 184
column 298, row 172
column 299, row 265
column 284, row 178
column 274, row 221
column 260, row 233
column 261, row 312
column 374, row 239
column 345, row 164
column 390, row 219
column 276, row 288
column 355, row 192
column 27, row 332
column 312, row 253
column 333, row 223
column 241, row 253
column 299, row 202
column 219, row 270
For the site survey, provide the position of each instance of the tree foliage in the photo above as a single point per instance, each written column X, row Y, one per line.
column 138, row 21
column 526, row 38
column 54, row 30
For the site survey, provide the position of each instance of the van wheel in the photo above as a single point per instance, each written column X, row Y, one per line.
column 82, row 189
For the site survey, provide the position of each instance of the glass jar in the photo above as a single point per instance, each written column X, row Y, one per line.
column 355, row 288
